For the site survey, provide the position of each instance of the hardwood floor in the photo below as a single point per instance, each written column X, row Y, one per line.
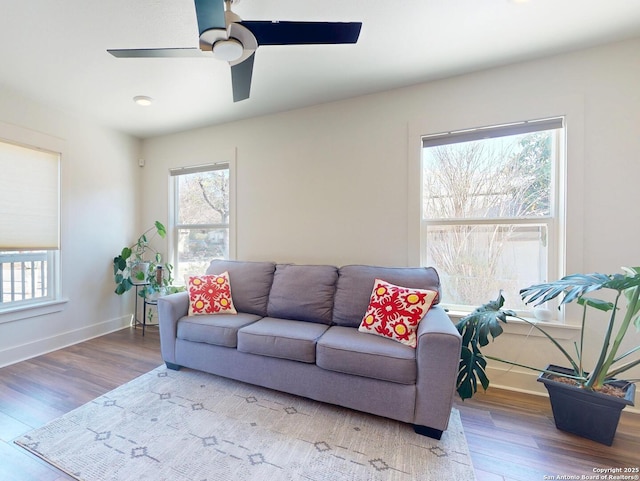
column 511, row 436
column 39, row 390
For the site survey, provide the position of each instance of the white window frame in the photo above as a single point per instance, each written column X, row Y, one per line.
column 457, row 114
column 175, row 227
column 552, row 221
column 54, row 300
column 21, row 263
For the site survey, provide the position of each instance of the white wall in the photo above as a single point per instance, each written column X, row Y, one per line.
column 331, row 183
column 100, row 213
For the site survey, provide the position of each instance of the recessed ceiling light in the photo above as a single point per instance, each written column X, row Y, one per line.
column 143, row 100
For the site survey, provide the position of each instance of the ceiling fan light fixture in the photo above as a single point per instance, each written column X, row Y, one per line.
column 143, row 100
column 227, row 50
column 224, row 35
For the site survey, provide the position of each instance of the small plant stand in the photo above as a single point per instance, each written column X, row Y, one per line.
column 145, row 303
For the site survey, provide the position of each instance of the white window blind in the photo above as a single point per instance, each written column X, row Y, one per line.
column 29, row 198
column 197, row 169
column 492, row 132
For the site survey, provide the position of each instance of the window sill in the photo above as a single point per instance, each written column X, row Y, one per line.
column 27, row 311
column 557, row 330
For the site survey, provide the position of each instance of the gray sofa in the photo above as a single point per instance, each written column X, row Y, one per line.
column 297, row 331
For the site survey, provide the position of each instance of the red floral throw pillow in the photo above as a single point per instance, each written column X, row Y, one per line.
column 210, row 295
column 395, row 311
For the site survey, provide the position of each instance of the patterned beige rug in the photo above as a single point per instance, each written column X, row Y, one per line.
column 192, row 426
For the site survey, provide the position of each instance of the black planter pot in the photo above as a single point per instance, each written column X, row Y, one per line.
column 589, row 414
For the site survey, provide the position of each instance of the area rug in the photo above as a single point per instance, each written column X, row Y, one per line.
column 191, row 426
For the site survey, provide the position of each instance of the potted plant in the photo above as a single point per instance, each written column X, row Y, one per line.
column 578, row 395
column 140, row 264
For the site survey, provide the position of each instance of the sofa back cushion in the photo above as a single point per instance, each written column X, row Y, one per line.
column 355, row 284
column 250, row 283
column 303, row 293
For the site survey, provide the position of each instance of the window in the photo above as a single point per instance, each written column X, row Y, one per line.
column 201, row 217
column 29, row 226
column 491, row 210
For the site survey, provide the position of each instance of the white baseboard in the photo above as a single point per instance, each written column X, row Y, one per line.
column 45, row 345
column 521, row 380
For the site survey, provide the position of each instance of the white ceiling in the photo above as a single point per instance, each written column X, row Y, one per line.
column 54, row 51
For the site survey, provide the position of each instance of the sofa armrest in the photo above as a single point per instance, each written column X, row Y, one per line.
column 171, row 309
column 438, row 358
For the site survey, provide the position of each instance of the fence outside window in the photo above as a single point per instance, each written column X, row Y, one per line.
column 23, row 276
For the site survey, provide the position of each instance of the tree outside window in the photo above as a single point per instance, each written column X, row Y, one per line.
column 201, row 212
column 490, row 210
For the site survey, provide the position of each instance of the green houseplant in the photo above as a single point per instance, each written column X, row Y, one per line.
column 142, row 264
column 484, row 323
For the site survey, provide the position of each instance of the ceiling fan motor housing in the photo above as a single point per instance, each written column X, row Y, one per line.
column 228, row 50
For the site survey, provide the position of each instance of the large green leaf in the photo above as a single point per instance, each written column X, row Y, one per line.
column 162, row 232
column 119, row 264
column 123, row 286
column 476, row 329
column 471, row 370
column 572, row 286
column 620, row 282
column 634, row 273
column 599, row 304
column 486, row 320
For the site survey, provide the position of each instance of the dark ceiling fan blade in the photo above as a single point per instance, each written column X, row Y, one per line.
column 241, row 79
column 157, row 52
column 210, row 14
column 299, row 33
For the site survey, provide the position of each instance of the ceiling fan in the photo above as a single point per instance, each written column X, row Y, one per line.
column 225, row 36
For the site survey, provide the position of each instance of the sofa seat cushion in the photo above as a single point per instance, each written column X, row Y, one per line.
column 218, row 329
column 281, row 338
column 344, row 349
